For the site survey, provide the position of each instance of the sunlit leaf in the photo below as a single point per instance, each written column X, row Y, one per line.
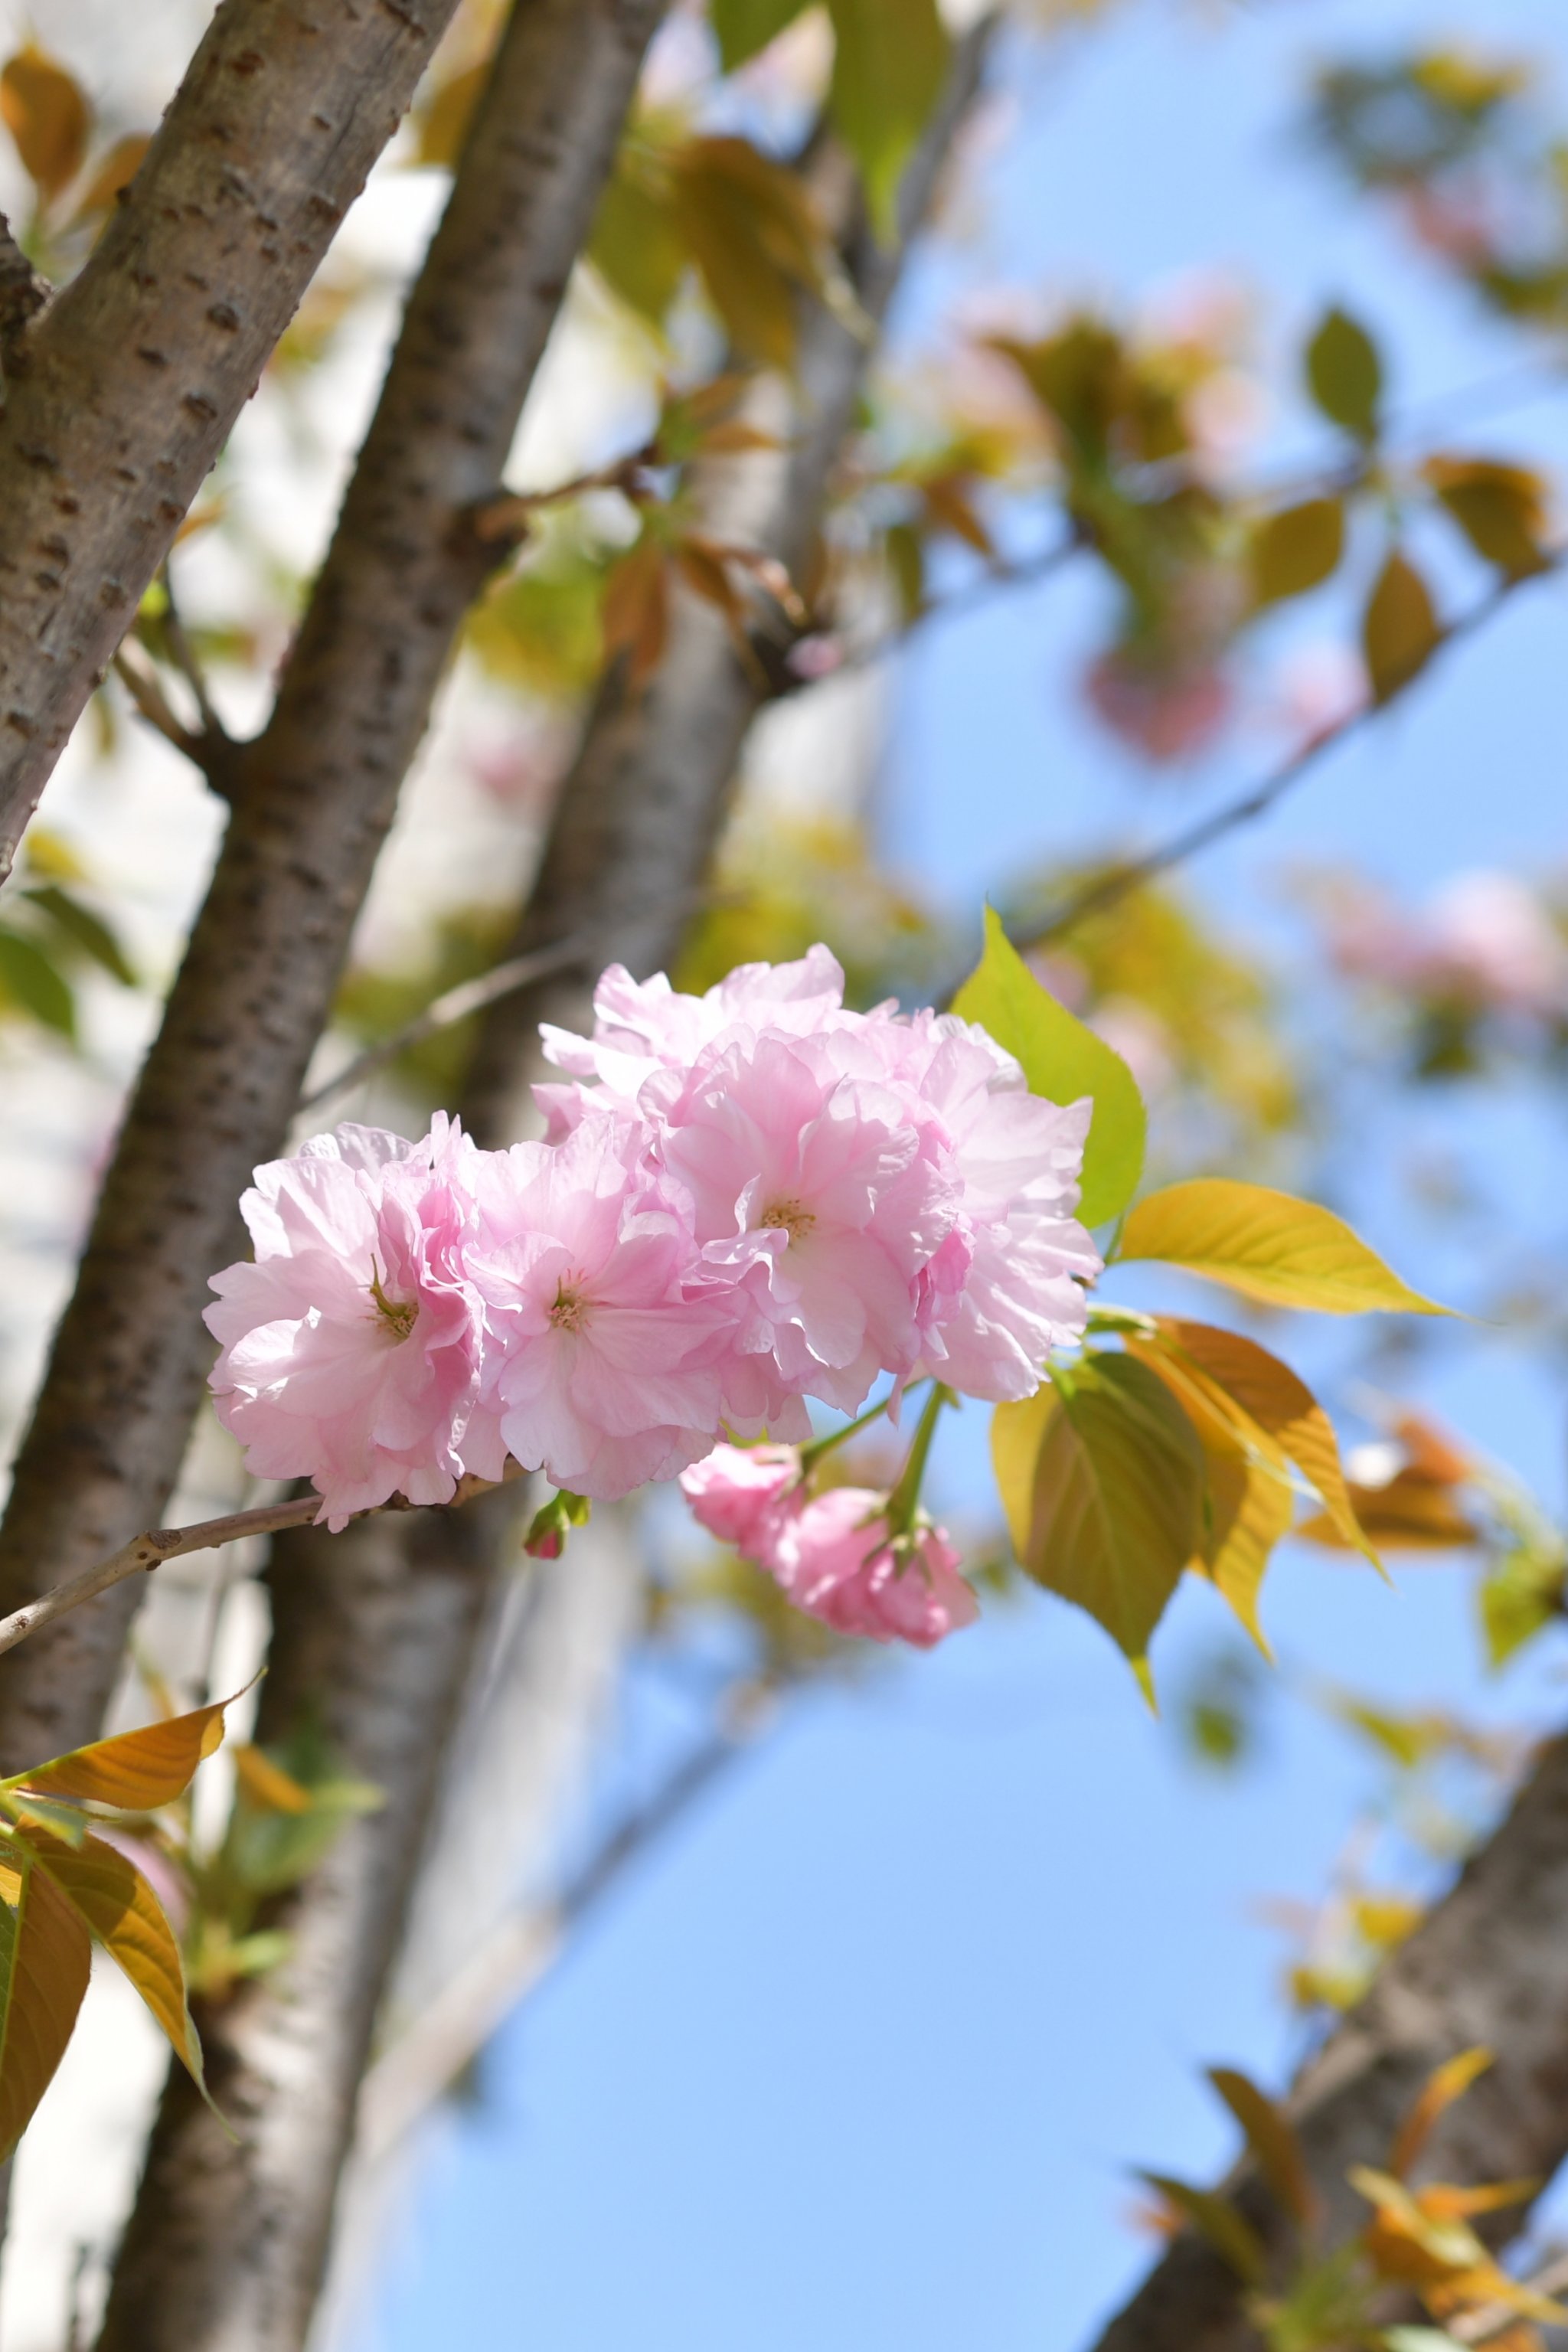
column 1215, row 2219
column 1400, row 631
column 1521, row 1594
column 1444, row 2085
column 890, row 63
column 637, row 246
column 743, row 27
column 1275, row 1401
column 1063, row 1061
column 46, row 1956
column 137, row 1771
column 1271, row 2136
column 1344, row 374
column 1296, row 550
column 1269, row 1245
column 113, row 1900
column 1111, row 1513
column 752, row 226
column 46, row 115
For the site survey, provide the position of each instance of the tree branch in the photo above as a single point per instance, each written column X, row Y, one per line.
column 23, row 294
column 143, row 1553
column 122, row 394
column 313, row 796
column 1485, row 1967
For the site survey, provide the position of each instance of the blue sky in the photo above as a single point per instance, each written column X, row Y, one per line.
column 862, row 2058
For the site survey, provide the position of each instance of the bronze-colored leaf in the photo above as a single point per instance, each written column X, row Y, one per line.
column 1296, row 550
column 46, row 115
column 139, row 1771
column 45, row 1958
column 113, row 1900
column 1410, row 1512
column 1400, row 632
column 635, row 610
column 1271, row 2136
column 1501, row 509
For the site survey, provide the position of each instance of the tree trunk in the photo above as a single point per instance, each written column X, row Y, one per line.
column 120, row 394
column 1488, row 1967
column 314, row 795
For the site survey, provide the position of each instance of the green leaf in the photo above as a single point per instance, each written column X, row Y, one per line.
column 45, row 1958
column 743, row 27
column 1297, row 550
column 1400, row 632
column 138, row 1771
column 84, row 929
column 1344, row 374
column 32, row 985
column 636, row 245
column 1269, row 1245
column 889, row 62
column 1063, row 1061
column 1230, row 2234
column 1520, row 1595
column 1101, row 1478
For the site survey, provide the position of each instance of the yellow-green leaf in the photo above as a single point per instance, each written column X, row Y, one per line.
column 1271, row 2136
column 1446, row 2084
column 1113, row 1495
column 1269, row 1245
column 444, row 118
column 45, row 1958
column 1230, row 2233
column 139, row 1771
column 113, row 1900
column 1297, row 550
column 1345, row 376
column 743, row 27
column 1063, row 1061
column 1400, row 632
column 890, row 63
column 46, row 115
column 1240, row 1375
column 1248, row 1502
column 636, row 245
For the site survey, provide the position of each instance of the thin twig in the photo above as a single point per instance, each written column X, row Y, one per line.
column 145, row 692
column 184, row 653
column 145, row 1552
column 1260, row 798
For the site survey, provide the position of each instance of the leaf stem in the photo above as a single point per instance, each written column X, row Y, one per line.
column 811, row 1455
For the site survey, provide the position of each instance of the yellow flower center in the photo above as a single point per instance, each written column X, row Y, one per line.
column 788, row 1216
column 402, row 1314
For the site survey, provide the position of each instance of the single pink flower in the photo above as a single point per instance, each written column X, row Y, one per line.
column 835, row 1560
column 350, row 1345
column 598, row 1367
column 736, row 1491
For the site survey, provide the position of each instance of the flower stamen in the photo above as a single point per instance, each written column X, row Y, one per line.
column 788, row 1216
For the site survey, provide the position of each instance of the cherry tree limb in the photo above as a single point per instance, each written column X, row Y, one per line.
column 1485, row 1969
column 146, row 1552
column 313, row 795
column 122, row 390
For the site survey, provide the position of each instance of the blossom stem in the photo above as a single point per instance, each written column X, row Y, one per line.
column 145, row 1552
column 904, row 1500
column 811, row 1455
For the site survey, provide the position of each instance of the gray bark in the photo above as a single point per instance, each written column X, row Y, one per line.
column 313, row 797
column 122, row 393
column 1488, row 1967
column 224, row 2248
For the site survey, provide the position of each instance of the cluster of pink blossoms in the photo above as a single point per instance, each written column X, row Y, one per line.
column 744, row 1200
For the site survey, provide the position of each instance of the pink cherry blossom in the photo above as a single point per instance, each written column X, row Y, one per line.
column 835, row 1560
column 736, row 1492
column 815, row 1206
column 599, row 1368
column 350, row 1347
